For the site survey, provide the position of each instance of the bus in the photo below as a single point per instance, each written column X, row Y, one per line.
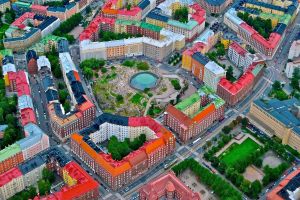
column 170, row 164
column 197, row 140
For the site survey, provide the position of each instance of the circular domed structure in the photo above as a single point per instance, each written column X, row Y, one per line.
column 143, row 80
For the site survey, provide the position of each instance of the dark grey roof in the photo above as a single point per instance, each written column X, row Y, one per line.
column 31, row 164
column 200, row 58
column 78, row 92
column 56, row 153
column 292, row 186
column 105, row 117
column 51, row 95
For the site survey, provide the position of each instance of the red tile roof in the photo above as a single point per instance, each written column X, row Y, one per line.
column 237, row 48
column 180, row 116
column 20, row 21
column 204, row 113
column 199, row 13
column 9, row 175
column 132, row 12
column 27, row 116
column 158, row 187
column 237, row 86
column 94, row 26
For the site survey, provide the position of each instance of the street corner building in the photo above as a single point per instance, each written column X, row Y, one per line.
column 194, row 114
column 159, row 144
column 167, row 186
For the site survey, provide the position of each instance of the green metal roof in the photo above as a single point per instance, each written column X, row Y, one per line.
column 140, row 24
column 6, row 52
column 204, row 90
column 187, row 102
column 151, row 27
column 285, row 19
column 257, row 69
column 9, row 151
column 189, row 25
column 128, row 22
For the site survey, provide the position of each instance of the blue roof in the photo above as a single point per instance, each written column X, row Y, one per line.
column 282, row 111
column 215, row 2
column 200, row 58
column 78, row 92
column 143, row 4
column 52, row 95
column 63, row 46
column 47, row 81
column 31, row 54
column 266, row 5
column 56, row 9
column 34, row 136
column 280, row 28
column 70, row 5
column 3, row 1
column 24, row 37
column 8, row 59
column 156, row 14
column 48, row 21
column 31, row 164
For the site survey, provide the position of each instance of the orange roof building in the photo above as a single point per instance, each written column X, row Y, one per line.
column 160, row 143
column 288, row 188
column 194, row 114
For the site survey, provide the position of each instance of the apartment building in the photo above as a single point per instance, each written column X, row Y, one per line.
column 278, row 118
column 167, row 186
column 235, row 92
column 4, row 4
column 215, row 6
column 212, row 75
column 194, row 114
column 237, row 55
column 117, row 174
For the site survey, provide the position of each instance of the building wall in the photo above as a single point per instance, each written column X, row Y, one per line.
column 21, row 44
column 33, row 176
column 274, row 127
column 11, row 162
column 12, row 187
column 290, row 67
column 4, row 6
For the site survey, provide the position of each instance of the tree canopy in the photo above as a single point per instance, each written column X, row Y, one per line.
column 262, row 26
column 119, row 149
column 181, row 14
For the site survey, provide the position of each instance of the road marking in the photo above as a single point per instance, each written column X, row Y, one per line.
column 268, row 80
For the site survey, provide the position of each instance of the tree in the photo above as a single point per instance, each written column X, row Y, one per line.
column 88, row 73
column 229, row 74
column 226, row 129
column 181, row 14
column 245, row 122
column 68, row 25
column 276, row 85
column 221, row 50
column 255, row 188
column 48, row 175
column 142, row 66
column 119, row 98
column 128, row 7
column 67, row 106
column 63, row 95
column 44, row 187
column 176, row 84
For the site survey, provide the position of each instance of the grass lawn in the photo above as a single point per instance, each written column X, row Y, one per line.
column 238, row 152
column 136, row 99
column 3, row 28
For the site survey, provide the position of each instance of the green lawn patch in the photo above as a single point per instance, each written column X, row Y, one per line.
column 237, row 152
column 137, row 98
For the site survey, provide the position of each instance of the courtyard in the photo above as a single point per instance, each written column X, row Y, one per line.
column 115, row 94
column 190, row 180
